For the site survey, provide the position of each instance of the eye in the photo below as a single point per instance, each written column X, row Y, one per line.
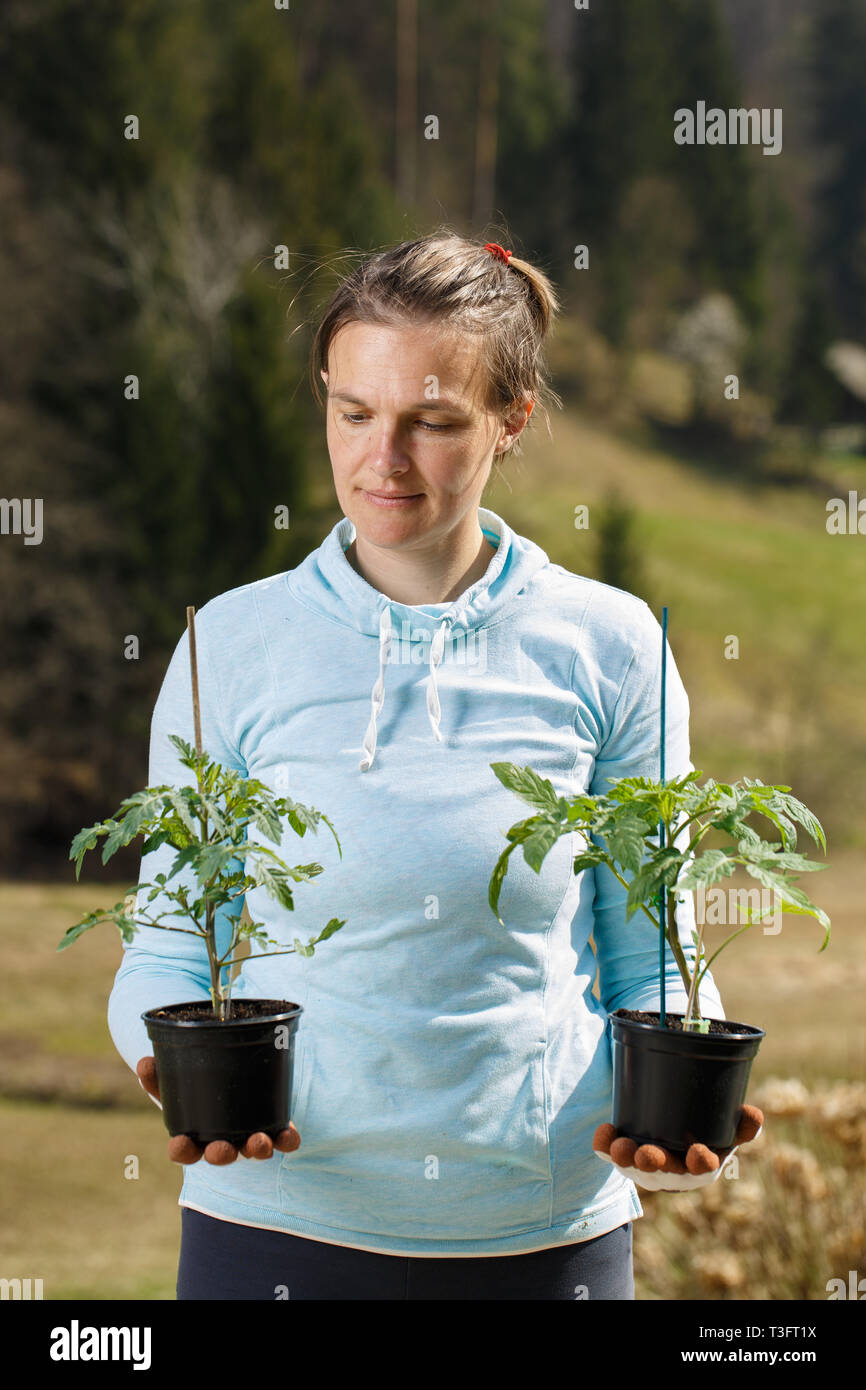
column 427, row 425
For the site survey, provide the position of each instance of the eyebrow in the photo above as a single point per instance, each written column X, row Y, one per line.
column 443, row 403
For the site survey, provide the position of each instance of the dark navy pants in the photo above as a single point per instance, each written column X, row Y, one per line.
column 223, row 1260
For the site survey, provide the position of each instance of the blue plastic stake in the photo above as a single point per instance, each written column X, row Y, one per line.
column 662, row 906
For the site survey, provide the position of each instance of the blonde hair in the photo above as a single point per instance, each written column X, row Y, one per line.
column 446, row 279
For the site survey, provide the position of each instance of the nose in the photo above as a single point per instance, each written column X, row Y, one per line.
column 386, row 451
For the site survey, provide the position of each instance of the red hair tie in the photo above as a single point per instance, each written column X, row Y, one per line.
column 497, row 250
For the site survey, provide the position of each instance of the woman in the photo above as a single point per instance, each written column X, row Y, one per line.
column 450, row 1073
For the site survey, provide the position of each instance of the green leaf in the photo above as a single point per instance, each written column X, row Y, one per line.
column 265, row 819
column 707, row 868
column 85, row 840
column 334, row 833
column 275, row 882
column 625, row 839
column 646, row 884
column 184, row 856
column 211, row 860
column 120, row 914
column 538, row 845
column 584, row 810
column 215, row 813
column 774, row 858
column 590, row 857
column 804, row 817
column 333, row 926
column 73, row 933
column 537, row 791
column 766, row 803
column 793, row 898
column 159, row 837
column 178, row 801
column 497, row 877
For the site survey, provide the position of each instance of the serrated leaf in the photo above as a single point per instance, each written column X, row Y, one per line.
column 804, row 817
column 333, row 926
column 85, row 840
column 588, row 859
column 176, row 799
column 625, row 839
column 539, row 844
column 72, row 933
column 535, row 790
column 661, row 869
column 794, row 899
column 707, row 868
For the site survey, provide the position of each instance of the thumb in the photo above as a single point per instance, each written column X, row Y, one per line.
column 146, row 1072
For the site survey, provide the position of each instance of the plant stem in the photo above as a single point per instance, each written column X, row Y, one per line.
column 674, row 940
column 228, row 996
column 671, row 933
column 213, row 964
column 693, row 991
column 240, row 960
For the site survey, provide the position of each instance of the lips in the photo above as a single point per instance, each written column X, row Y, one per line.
column 391, row 501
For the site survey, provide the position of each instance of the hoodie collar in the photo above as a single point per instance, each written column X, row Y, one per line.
column 326, row 582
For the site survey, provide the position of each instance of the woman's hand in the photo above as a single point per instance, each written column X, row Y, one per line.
column 183, row 1149
column 656, row 1168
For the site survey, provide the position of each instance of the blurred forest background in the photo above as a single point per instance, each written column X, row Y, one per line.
column 155, row 257
column 261, row 128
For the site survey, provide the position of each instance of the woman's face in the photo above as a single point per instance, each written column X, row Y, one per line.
column 404, row 423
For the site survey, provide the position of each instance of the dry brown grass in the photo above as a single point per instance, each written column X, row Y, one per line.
column 791, row 1218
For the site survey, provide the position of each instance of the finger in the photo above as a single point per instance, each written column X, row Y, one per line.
column 182, row 1149
column 673, row 1163
column 258, row 1145
column 220, row 1152
column 751, row 1120
column 700, row 1159
column 649, row 1158
column 146, row 1072
column 622, row 1151
column 603, row 1138
column 288, row 1140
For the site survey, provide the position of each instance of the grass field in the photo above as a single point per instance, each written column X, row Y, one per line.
column 727, row 558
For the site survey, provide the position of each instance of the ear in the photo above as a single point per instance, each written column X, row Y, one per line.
column 514, row 424
column 324, row 375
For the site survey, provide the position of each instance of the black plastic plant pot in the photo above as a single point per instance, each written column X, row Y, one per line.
column 680, row 1088
column 225, row 1080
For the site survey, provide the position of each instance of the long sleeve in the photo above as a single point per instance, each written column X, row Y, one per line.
column 627, row 951
column 166, row 967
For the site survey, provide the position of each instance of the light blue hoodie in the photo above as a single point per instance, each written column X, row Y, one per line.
column 449, row 1071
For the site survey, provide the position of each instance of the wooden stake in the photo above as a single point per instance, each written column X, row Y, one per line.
column 193, row 664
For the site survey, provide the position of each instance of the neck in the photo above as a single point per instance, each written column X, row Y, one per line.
column 431, row 571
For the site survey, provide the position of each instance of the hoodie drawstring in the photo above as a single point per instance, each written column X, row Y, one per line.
column 377, row 697
column 434, row 709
